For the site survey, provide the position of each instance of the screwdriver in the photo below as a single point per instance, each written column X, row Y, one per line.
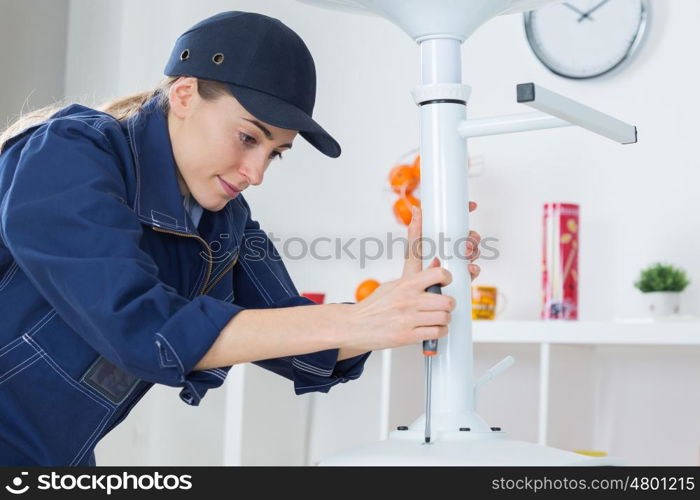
column 429, row 350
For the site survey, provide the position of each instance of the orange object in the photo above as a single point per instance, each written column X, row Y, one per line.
column 416, row 168
column 365, row 288
column 402, row 179
column 403, row 208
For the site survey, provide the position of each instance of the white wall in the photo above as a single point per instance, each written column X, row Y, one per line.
column 638, row 203
column 33, row 55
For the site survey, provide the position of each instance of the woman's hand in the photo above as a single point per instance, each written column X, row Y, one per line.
column 401, row 312
column 414, row 260
column 398, row 313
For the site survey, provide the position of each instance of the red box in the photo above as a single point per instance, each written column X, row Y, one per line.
column 316, row 297
column 560, row 248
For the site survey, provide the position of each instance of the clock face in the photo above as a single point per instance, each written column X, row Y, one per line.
column 586, row 38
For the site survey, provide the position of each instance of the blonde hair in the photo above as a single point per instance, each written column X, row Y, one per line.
column 120, row 108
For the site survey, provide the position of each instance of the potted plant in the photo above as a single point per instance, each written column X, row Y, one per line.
column 662, row 284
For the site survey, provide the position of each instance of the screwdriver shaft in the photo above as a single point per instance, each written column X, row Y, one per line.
column 428, row 370
column 429, row 350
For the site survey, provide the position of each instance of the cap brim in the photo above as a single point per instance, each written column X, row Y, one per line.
column 279, row 113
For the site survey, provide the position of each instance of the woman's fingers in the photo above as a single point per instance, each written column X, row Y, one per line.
column 430, row 276
column 473, row 241
column 414, row 261
column 473, row 255
column 414, row 258
column 474, row 271
column 435, row 302
column 429, row 333
column 431, row 318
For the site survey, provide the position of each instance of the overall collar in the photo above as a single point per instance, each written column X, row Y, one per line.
column 158, row 201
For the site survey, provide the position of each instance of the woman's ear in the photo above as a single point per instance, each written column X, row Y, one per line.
column 182, row 96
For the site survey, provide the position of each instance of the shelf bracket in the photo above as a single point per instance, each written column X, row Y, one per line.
column 553, row 111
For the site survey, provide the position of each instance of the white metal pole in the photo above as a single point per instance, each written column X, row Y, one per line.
column 444, row 200
column 233, row 423
column 309, row 427
column 385, row 394
column 508, row 124
column 441, row 61
column 543, row 417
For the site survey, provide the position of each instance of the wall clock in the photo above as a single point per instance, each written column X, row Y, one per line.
column 587, row 38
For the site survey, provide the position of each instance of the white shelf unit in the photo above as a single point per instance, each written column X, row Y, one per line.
column 592, row 333
column 588, row 332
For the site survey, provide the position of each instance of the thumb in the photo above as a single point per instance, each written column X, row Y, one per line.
column 414, row 258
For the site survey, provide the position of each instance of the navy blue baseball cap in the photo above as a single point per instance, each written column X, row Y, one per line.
column 266, row 65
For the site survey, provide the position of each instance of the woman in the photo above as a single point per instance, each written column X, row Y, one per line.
column 128, row 255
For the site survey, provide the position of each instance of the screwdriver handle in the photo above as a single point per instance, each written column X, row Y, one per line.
column 430, row 346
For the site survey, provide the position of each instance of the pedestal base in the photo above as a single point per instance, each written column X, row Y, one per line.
column 461, row 448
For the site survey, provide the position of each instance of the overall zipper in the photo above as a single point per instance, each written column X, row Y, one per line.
column 186, row 235
column 221, row 275
column 206, row 287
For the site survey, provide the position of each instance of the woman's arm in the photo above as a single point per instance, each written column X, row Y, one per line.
column 257, row 334
column 347, row 352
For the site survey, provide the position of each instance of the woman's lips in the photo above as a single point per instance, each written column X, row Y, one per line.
column 230, row 190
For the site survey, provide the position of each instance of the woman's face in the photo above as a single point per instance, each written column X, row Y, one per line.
column 218, row 143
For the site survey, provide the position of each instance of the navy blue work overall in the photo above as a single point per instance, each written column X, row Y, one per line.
column 107, row 287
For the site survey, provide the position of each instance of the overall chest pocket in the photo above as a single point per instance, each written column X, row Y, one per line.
column 46, row 417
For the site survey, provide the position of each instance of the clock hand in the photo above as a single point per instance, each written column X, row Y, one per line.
column 598, row 6
column 583, row 14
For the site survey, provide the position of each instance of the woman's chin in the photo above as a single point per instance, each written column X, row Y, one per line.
column 214, row 203
column 219, row 204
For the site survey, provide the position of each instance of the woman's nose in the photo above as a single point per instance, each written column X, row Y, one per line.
column 254, row 171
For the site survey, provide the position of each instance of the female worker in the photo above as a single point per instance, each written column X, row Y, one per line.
column 128, row 255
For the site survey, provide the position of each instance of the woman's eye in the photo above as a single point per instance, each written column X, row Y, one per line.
column 249, row 140
column 246, row 139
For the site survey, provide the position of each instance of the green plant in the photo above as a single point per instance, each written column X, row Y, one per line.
column 660, row 277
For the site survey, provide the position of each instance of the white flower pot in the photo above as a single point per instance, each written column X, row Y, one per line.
column 662, row 304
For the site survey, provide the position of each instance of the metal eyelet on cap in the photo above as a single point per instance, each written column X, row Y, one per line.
column 185, row 55
column 218, row 58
